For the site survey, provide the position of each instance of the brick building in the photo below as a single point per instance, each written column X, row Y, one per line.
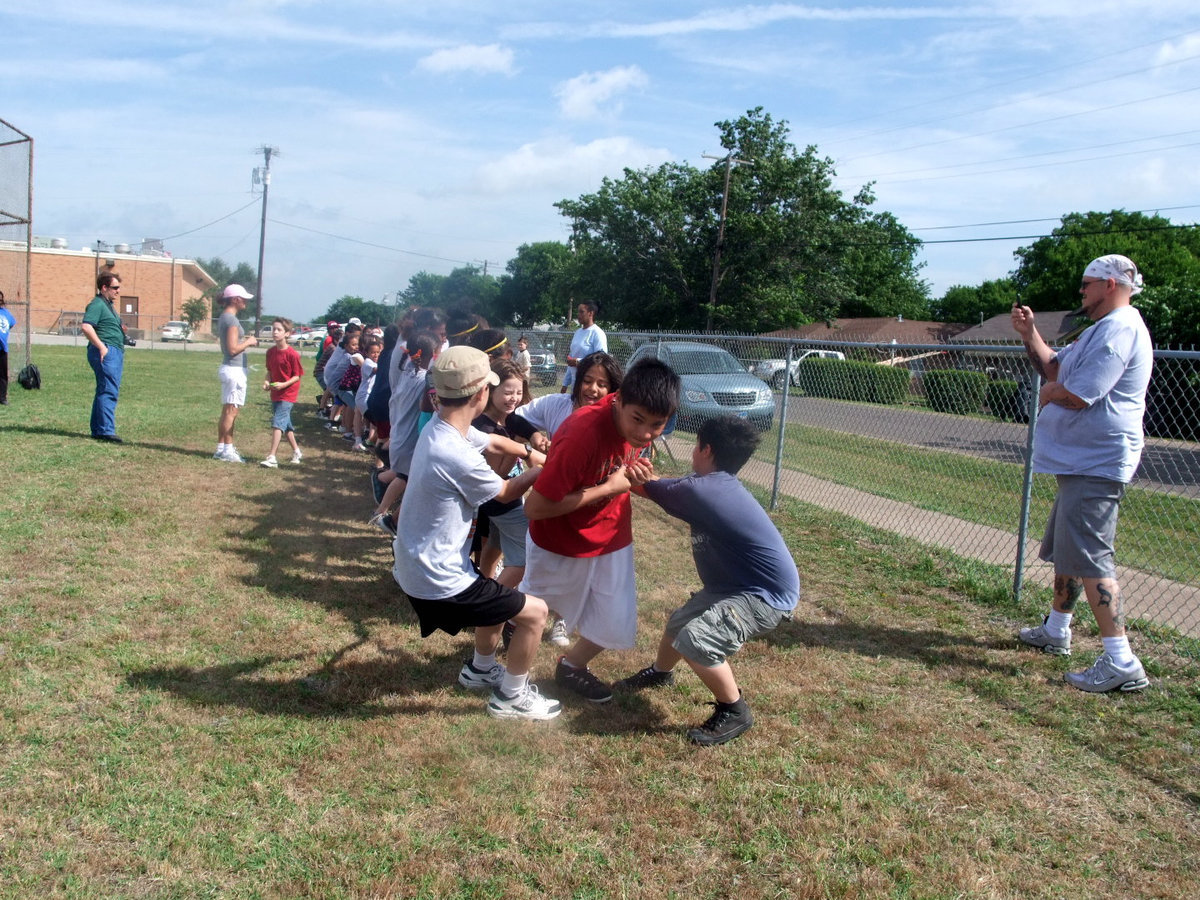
column 154, row 286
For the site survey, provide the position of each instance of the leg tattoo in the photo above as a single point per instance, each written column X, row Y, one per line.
column 1067, row 591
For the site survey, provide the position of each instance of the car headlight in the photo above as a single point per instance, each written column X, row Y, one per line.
column 694, row 396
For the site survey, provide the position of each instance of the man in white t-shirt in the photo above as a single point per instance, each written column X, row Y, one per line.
column 448, row 481
column 1089, row 437
column 590, row 338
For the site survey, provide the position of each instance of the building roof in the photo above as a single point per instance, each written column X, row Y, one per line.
column 883, row 329
column 998, row 329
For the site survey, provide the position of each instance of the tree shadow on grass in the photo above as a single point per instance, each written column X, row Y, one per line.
column 126, row 445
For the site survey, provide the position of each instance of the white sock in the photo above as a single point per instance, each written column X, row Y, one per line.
column 1058, row 624
column 1119, row 650
column 512, row 685
column 483, row 663
column 221, row 448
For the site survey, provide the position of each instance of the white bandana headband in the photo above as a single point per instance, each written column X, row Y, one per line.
column 1119, row 268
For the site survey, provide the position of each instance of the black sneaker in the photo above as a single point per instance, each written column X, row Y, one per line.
column 727, row 722
column 582, row 682
column 378, row 489
column 648, row 677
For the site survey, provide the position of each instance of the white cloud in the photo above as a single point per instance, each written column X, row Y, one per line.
column 582, row 96
column 559, row 164
column 483, row 59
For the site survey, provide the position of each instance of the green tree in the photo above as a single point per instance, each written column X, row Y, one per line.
column 369, row 312
column 424, row 289
column 794, row 249
column 535, row 285
column 1048, row 271
column 196, row 311
column 972, row 304
column 467, row 287
column 243, row 273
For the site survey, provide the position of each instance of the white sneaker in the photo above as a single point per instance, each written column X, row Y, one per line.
column 230, row 455
column 529, row 704
column 558, row 634
column 474, row 680
column 296, row 457
column 270, row 463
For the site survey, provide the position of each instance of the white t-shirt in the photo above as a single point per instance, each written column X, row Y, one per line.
column 404, row 411
column 1109, row 369
column 448, row 482
column 547, row 412
column 364, row 387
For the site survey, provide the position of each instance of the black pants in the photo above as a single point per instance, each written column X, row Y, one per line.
column 3, row 375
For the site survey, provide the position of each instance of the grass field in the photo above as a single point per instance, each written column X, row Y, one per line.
column 211, row 687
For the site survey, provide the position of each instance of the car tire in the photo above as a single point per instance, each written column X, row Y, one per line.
column 777, row 380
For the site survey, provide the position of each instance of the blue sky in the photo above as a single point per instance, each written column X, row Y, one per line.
column 423, row 136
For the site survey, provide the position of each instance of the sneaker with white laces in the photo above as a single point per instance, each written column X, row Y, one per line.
column 558, row 633
column 474, row 680
column 358, row 445
column 385, row 522
column 270, row 463
column 529, row 704
column 296, row 457
column 648, row 677
column 1037, row 636
column 230, row 455
column 1105, row 675
column 727, row 722
column 582, row 682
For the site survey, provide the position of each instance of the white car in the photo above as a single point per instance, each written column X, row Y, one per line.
column 771, row 370
column 176, row 331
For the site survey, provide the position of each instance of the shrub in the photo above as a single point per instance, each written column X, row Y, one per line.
column 954, row 390
column 850, row 380
column 1004, row 400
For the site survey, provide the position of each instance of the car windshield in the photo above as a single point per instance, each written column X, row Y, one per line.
column 176, row 325
column 704, row 362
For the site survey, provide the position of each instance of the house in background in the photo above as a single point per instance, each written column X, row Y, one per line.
column 888, row 334
column 154, row 285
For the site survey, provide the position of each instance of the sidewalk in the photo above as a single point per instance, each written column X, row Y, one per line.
column 1146, row 596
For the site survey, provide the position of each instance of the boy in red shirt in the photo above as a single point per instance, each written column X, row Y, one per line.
column 283, row 381
column 579, row 554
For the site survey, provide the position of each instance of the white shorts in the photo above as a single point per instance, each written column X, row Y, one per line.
column 233, row 385
column 596, row 595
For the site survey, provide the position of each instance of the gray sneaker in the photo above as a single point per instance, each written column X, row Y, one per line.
column 1047, row 643
column 1104, row 675
column 474, row 680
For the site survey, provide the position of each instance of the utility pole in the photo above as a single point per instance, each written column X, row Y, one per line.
column 730, row 162
column 262, row 175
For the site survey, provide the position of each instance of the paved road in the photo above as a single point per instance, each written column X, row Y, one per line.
column 1166, row 465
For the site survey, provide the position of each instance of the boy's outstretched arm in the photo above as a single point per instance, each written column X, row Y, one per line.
column 538, row 507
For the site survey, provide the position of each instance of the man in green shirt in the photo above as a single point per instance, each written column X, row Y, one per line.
column 105, row 354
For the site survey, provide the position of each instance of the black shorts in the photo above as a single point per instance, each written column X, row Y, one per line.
column 485, row 603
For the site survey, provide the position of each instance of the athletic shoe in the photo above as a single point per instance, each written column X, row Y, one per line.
column 558, row 634
column 1037, row 636
column 235, row 455
column 1105, row 675
column 475, row 680
column 230, row 455
column 529, row 704
column 296, row 457
column 270, row 463
column 727, row 722
column 384, row 522
column 332, row 426
column 378, row 489
column 358, row 445
column 648, row 677
column 582, row 682
column 347, row 435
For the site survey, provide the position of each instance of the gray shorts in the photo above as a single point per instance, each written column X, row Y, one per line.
column 1082, row 527
column 711, row 627
column 511, row 527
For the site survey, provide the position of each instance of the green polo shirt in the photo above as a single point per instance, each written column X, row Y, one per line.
column 100, row 315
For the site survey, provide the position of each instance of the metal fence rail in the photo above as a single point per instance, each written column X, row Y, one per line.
column 932, row 442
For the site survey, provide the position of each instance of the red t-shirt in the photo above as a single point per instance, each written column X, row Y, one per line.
column 282, row 365
column 586, row 450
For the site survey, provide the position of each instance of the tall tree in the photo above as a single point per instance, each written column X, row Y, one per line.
column 243, row 273
column 535, row 285
column 1048, row 271
column 794, row 249
column 972, row 304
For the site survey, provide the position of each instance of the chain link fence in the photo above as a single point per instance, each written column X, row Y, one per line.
column 931, row 441
column 16, row 224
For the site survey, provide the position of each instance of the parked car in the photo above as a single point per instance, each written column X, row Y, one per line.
column 713, row 384
column 543, row 367
column 176, row 331
column 309, row 337
column 771, row 370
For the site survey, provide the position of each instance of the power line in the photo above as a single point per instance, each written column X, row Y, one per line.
column 341, row 237
column 213, row 222
column 1157, row 209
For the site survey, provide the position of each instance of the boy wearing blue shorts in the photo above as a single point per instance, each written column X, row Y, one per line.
column 450, row 479
column 749, row 580
column 283, row 381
